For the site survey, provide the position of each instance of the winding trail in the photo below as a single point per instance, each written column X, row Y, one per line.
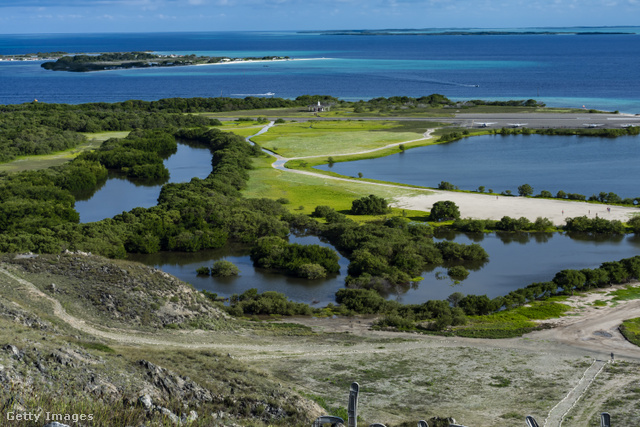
column 592, row 332
column 581, row 335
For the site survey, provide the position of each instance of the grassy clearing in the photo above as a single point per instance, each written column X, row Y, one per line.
column 631, row 330
column 306, row 192
column 24, row 163
column 400, row 384
column 243, row 129
column 513, row 323
column 627, row 293
column 320, row 138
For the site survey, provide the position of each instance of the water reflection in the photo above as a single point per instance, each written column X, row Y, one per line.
column 504, row 162
column 515, row 261
column 183, row 265
column 121, row 194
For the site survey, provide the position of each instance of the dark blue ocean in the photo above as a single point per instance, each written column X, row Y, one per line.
column 597, row 71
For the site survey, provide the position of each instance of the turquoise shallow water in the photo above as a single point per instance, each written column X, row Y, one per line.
column 599, row 71
column 583, row 165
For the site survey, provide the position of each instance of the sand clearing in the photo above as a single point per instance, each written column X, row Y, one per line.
column 482, row 206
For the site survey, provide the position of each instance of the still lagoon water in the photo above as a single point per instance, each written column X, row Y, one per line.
column 119, row 194
column 574, row 164
column 515, row 260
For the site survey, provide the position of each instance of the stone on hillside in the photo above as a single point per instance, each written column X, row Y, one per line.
column 146, row 402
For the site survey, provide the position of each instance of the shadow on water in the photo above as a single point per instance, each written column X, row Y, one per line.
column 184, row 265
column 515, row 261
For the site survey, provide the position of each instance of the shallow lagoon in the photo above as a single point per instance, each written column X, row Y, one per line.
column 515, row 260
column 584, row 165
column 119, row 194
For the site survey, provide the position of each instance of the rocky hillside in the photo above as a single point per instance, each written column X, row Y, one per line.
column 50, row 368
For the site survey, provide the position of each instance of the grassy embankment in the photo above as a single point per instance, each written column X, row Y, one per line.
column 630, row 328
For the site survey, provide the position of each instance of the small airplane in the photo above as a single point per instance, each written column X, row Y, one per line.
column 517, row 125
column 628, row 125
column 593, row 125
column 485, row 124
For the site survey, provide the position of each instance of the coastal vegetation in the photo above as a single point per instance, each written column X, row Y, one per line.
column 124, row 60
column 385, row 254
column 387, row 249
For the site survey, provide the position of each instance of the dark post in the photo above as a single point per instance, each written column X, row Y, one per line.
column 353, row 404
column 531, row 422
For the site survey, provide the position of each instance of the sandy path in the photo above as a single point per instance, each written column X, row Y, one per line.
column 595, row 329
column 479, row 206
column 558, row 413
column 572, row 334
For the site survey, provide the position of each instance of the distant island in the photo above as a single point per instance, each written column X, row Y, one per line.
column 459, row 33
column 125, row 60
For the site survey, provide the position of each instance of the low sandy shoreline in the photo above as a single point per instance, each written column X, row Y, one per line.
column 483, row 206
column 262, row 60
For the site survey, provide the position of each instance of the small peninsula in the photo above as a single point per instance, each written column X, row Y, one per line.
column 125, row 60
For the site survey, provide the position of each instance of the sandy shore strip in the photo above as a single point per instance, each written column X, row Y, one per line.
column 484, row 206
column 252, row 61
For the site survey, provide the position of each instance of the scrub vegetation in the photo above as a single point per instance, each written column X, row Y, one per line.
column 387, row 250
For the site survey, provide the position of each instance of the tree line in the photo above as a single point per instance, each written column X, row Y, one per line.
column 38, row 128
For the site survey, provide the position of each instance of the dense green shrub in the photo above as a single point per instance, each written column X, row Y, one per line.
column 594, row 225
column 445, row 185
column 458, row 272
column 275, row 253
column 444, row 211
column 370, row 205
column 224, row 268
column 269, row 302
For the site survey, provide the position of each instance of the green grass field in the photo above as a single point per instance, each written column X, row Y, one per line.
column 626, row 294
column 243, row 129
column 515, row 322
column 318, row 138
column 631, row 330
column 309, row 191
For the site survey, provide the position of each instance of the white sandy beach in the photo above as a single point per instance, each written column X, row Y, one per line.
column 479, row 206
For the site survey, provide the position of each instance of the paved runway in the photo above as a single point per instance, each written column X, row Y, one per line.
column 543, row 120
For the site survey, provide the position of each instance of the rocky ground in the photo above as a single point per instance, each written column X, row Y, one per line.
column 82, row 345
